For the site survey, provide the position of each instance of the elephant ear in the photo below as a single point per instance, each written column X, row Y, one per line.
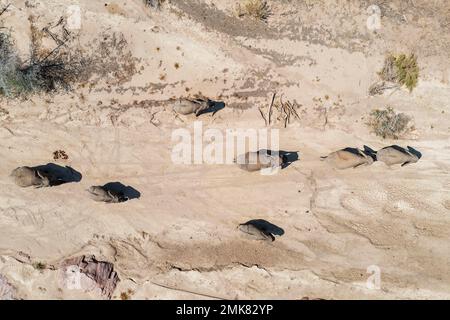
column 198, row 111
column 41, row 175
column 360, row 153
column 268, row 234
column 45, row 180
column 201, row 109
column 112, row 196
column 369, row 149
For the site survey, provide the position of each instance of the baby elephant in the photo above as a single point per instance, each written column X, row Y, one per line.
column 187, row 106
column 395, row 155
column 349, row 158
column 104, row 194
column 28, row 176
column 262, row 159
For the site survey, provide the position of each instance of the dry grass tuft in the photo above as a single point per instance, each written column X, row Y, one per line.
column 256, row 9
column 154, row 3
column 39, row 266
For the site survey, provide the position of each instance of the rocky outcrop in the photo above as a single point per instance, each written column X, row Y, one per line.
column 7, row 291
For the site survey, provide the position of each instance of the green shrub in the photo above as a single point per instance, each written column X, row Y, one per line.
column 407, row 70
column 401, row 69
column 10, row 78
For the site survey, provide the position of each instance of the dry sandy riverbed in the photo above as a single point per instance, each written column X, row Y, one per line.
column 179, row 239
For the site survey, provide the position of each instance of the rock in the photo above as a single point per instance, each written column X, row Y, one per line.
column 7, row 291
column 101, row 272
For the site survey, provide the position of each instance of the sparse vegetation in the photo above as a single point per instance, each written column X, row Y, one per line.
column 407, row 70
column 284, row 112
column 154, row 3
column 257, row 9
column 401, row 69
column 124, row 296
column 43, row 72
column 389, row 124
column 51, row 69
column 380, row 87
column 39, row 265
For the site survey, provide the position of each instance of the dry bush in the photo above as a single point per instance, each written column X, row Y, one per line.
column 380, row 87
column 389, row 124
column 44, row 71
column 388, row 73
column 126, row 295
column 257, row 9
column 111, row 61
column 39, row 265
column 154, row 3
column 9, row 63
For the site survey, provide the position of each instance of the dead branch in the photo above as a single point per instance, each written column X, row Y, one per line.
column 270, row 109
column 65, row 34
column 262, row 115
column 292, row 107
column 51, row 52
column 378, row 88
column 5, row 8
column 284, row 112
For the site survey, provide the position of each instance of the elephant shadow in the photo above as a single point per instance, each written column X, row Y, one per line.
column 58, row 174
column 127, row 192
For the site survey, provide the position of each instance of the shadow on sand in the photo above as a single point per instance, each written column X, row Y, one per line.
column 214, row 106
column 265, row 226
column 127, row 192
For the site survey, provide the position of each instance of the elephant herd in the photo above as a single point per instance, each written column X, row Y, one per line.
column 48, row 175
column 341, row 159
